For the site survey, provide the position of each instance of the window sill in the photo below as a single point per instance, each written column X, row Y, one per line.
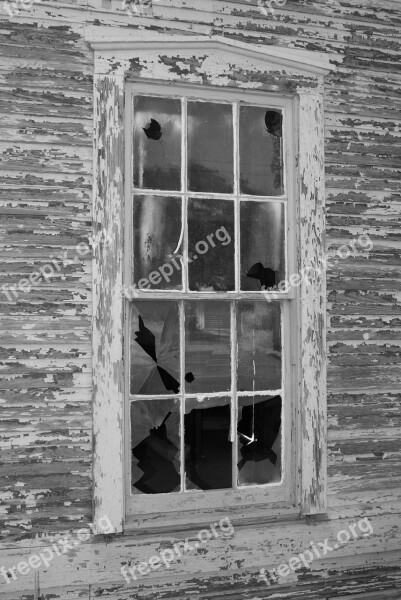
column 181, row 522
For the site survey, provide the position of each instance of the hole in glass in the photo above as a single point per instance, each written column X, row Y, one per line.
column 261, row 152
column 259, row 440
column 157, row 143
column 155, row 443
column 262, row 244
column 208, row 449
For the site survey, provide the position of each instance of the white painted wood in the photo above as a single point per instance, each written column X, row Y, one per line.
column 112, row 58
column 108, row 383
column 105, row 39
column 240, row 555
column 312, row 324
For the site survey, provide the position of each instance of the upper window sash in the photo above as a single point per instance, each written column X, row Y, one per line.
column 287, row 199
column 190, row 93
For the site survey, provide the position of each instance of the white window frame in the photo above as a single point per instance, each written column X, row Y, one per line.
column 273, row 492
column 114, row 59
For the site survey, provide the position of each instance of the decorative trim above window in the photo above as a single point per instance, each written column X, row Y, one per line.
column 304, row 61
column 170, row 60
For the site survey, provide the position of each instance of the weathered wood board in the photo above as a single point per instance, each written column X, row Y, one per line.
column 46, row 169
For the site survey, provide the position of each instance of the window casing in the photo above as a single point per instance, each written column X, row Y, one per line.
column 241, row 304
column 293, row 74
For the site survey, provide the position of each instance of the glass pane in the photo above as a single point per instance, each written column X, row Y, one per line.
column 155, row 347
column 210, row 147
column 207, row 351
column 157, row 234
column 157, row 143
column 262, row 244
column 155, row 441
column 259, row 346
column 259, row 440
column 208, row 449
column 211, row 245
column 261, row 151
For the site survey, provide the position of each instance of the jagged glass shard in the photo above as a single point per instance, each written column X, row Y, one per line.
column 259, row 440
column 155, row 351
column 155, row 441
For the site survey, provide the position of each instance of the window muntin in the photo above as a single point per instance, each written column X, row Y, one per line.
column 216, row 306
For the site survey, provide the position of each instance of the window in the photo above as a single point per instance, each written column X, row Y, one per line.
column 237, row 79
column 208, row 334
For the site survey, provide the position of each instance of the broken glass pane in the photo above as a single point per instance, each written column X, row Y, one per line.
column 155, row 443
column 155, row 350
column 157, row 235
column 259, row 345
column 261, row 151
column 208, row 449
column 157, row 143
column 259, row 440
column 207, row 350
column 211, row 245
column 262, row 245
column 210, row 147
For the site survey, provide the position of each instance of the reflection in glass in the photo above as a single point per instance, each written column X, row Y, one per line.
column 259, row 440
column 157, row 143
column 207, row 350
column 208, row 448
column 259, row 346
column 155, row 351
column 210, row 147
column 157, row 231
column 261, row 152
column 155, row 442
column 262, row 244
column 211, row 241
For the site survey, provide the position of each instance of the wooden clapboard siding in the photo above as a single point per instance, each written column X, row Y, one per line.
column 45, row 171
column 46, row 128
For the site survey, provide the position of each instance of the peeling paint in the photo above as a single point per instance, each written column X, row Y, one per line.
column 46, row 164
